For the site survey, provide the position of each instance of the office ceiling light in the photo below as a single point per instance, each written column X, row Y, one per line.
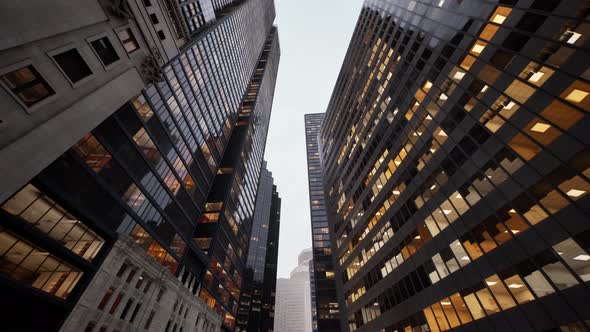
column 491, row 283
column 515, row 286
column 499, row 19
column 573, row 36
column 464, row 258
column 396, row 192
column 445, row 303
column 576, row 96
column 443, row 96
column 575, row 193
column 509, row 105
column 540, row 127
column 459, row 75
column 536, row 77
column 477, row 48
column 485, row 88
column 582, row 258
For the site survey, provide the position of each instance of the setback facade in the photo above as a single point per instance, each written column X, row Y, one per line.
column 456, row 164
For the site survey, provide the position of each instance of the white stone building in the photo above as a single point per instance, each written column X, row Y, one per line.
column 133, row 292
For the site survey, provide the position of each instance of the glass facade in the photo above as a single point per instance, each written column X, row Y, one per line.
column 224, row 228
column 325, row 300
column 256, row 306
column 456, row 169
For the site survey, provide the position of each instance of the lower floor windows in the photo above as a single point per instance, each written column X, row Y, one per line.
column 27, row 263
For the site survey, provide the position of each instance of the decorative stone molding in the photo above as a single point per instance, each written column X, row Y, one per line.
column 120, row 8
column 144, row 296
column 151, row 70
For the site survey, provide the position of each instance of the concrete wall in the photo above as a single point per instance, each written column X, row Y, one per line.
column 32, row 137
column 22, row 22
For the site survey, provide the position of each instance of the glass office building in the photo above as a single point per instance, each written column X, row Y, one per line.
column 147, row 171
column 225, row 225
column 323, row 284
column 256, row 307
column 456, row 162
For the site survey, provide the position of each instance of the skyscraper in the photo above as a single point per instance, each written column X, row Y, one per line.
column 116, row 128
column 455, row 154
column 257, row 301
column 326, row 302
column 293, row 310
column 225, row 226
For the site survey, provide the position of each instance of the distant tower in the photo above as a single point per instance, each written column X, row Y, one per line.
column 293, row 310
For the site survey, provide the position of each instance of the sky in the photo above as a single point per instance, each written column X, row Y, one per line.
column 314, row 36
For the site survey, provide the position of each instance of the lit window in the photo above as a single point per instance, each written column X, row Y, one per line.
column 128, row 40
column 27, row 85
column 540, row 127
column 576, row 96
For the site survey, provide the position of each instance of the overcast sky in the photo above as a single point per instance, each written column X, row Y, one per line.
column 314, row 36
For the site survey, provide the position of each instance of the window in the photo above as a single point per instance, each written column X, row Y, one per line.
column 90, row 327
column 160, row 294
column 72, row 64
column 161, row 35
column 27, row 85
column 154, row 19
column 105, row 298
column 128, row 40
column 122, row 270
column 147, row 3
column 105, row 51
column 23, row 261
column 34, row 207
column 126, row 309
column 148, row 322
column 116, row 303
